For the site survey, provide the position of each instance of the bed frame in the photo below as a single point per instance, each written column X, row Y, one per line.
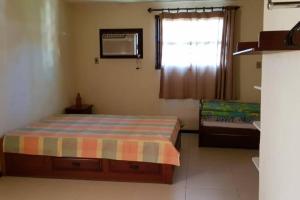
column 227, row 137
column 89, row 169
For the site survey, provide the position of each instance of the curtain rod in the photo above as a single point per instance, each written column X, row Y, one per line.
column 187, row 9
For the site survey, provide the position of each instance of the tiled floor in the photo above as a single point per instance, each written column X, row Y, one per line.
column 205, row 174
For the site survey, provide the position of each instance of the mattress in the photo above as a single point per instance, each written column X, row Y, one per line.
column 131, row 138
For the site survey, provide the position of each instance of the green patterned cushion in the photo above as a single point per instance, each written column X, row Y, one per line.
column 230, row 111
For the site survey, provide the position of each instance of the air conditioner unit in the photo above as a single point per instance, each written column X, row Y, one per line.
column 283, row 3
column 120, row 44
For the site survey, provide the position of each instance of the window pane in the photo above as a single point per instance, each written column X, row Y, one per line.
column 189, row 42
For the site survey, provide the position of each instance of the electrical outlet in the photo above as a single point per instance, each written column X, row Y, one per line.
column 258, row 65
column 96, row 60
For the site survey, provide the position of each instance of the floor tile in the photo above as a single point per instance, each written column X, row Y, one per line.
column 212, row 194
column 208, row 180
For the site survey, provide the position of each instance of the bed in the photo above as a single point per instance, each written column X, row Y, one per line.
column 228, row 124
column 97, row 147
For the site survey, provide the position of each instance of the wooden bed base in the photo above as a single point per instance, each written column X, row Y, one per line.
column 210, row 136
column 89, row 169
column 228, row 137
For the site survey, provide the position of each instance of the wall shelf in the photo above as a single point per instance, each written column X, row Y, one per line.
column 257, row 125
column 255, row 160
column 269, row 42
column 244, row 48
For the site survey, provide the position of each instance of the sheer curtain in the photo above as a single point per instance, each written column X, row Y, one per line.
column 191, row 46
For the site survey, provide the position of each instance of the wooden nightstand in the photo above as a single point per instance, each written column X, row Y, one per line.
column 84, row 109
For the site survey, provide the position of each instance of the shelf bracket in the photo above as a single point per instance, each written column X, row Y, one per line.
column 291, row 4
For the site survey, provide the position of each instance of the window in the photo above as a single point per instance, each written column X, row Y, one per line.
column 188, row 42
column 194, row 53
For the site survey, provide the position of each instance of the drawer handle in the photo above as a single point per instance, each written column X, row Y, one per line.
column 134, row 167
column 76, row 164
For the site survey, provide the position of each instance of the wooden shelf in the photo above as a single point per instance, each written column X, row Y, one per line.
column 257, row 87
column 244, row 48
column 269, row 42
column 255, row 160
column 257, row 125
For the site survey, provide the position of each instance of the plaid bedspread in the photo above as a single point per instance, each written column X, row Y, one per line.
column 131, row 138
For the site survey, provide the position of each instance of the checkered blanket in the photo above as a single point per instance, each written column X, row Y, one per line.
column 131, row 138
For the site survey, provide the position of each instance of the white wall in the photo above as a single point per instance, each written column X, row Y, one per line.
column 34, row 75
column 280, row 150
column 115, row 87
